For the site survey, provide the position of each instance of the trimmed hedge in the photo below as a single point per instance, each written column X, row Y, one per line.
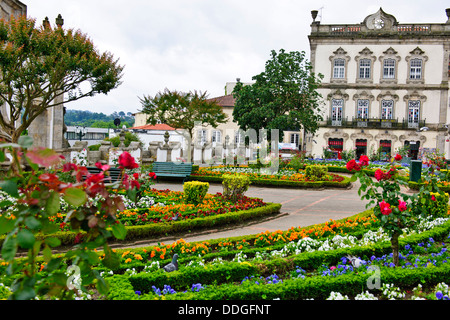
column 284, row 183
column 220, row 275
column 162, row 229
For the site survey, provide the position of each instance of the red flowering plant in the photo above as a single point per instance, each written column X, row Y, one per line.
column 395, row 209
column 136, row 182
column 38, row 196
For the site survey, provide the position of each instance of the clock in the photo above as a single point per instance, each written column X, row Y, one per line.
column 378, row 23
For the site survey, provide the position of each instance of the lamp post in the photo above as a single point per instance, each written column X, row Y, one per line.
column 81, row 132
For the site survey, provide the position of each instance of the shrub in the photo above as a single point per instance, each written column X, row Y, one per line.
column 234, row 185
column 195, row 191
column 315, row 172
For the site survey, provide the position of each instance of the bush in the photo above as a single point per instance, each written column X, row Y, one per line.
column 316, row 172
column 94, row 147
column 234, row 185
column 195, row 191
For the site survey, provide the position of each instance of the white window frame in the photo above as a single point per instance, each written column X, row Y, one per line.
column 216, row 136
column 389, row 70
column 415, row 69
column 413, row 113
column 337, row 111
column 365, row 68
column 295, row 138
column 202, row 135
column 387, row 109
column 362, row 111
column 339, row 68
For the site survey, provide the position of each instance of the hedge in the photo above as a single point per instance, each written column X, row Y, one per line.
column 284, row 183
column 311, row 287
column 155, row 230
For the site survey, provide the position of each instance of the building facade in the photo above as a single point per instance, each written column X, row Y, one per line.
column 385, row 86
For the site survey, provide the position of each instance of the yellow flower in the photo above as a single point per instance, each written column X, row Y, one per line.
column 128, row 260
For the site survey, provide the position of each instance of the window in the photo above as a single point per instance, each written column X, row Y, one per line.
column 216, row 136
column 239, row 137
column 295, row 138
column 336, row 111
column 387, row 108
column 415, row 71
column 364, row 68
column 202, row 136
column 363, row 109
column 339, row 69
column 389, row 69
column 413, row 113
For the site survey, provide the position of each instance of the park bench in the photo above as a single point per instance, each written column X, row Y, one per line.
column 114, row 173
column 170, row 169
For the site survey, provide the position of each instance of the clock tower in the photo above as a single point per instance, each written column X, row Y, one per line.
column 380, row 20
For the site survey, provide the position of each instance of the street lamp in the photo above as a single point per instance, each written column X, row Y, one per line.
column 81, row 132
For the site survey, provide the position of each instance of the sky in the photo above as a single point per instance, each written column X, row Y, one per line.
column 188, row 45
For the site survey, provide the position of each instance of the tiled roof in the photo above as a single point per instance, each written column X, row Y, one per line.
column 225, row 101
column 159, row 126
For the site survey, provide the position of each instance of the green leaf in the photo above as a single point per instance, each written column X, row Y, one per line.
column 119, row 231
column 47, row 253
column 9, row 248
column 52, row 241
column 111, row 259
column 10, row 187
column 53, row 204
column 33, row 223
column 25, row 141
column 6, row 225
column 353, row 178
column 75, row 197
column 25, row 239
column 27, row 293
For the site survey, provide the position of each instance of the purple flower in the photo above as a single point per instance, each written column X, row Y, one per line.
column 439, row 295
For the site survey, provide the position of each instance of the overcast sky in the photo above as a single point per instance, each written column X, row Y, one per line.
column 188, row 45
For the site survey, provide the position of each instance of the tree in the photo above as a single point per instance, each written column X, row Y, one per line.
column 183, row 110
column 42, row 67
column 283, row 97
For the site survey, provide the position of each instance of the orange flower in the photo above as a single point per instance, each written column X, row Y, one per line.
column 161, row 257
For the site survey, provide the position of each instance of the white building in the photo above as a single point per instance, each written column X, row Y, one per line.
column 91, row 135
column 383, row 82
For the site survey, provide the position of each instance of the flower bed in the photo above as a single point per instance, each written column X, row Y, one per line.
column 162, row 212
column 313, row 270
column 263, row 177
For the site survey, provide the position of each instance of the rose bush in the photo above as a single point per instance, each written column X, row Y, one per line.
column 37, row 197
column 395, row 209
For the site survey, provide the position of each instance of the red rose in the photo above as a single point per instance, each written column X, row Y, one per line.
column 152, row 175
column 127, row 161
column 398, row 157
column 136, row 175
column 136, row 184
column 401, row 205
column 379, row 174
column 352, row 165
column 385, row 208
column 364, row 160
column 69, row 167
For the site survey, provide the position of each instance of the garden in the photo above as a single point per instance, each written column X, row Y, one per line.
column 395, row 250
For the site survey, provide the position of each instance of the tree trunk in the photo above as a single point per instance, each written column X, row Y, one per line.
column 394, row 246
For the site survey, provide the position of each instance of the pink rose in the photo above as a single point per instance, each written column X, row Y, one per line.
column 385, row 208
column 401, row 205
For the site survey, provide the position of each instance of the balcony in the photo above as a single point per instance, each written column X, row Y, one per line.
column 374, row 123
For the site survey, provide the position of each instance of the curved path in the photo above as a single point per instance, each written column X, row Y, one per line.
column 300, row 208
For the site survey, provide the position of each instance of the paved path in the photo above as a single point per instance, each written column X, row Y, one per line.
column 300, row 208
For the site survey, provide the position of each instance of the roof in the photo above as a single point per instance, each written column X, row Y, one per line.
column 225, row 101
column 159, row 126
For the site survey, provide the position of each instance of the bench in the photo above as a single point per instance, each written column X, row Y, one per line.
column 114, row 173
column 170, row 169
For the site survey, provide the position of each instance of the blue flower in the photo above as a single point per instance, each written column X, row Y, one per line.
column 439, row 295
column 407, row 247
column 138, row 293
